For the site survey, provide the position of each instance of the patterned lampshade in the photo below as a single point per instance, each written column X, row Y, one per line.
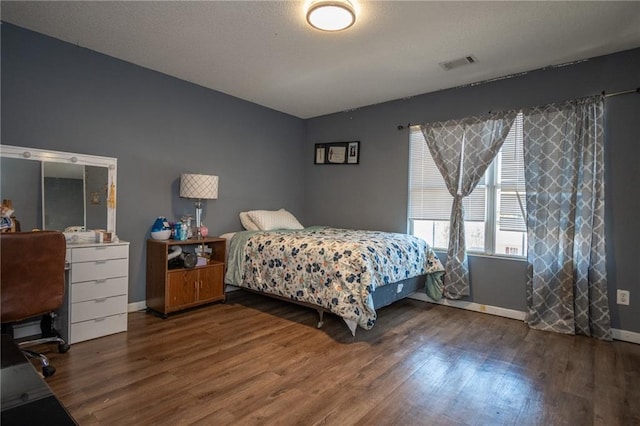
column 199, row 186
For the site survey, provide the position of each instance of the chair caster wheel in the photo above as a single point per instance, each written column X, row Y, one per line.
column 48, row 370
column 63, row 348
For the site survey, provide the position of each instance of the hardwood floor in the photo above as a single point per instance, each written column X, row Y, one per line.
column 255, row 360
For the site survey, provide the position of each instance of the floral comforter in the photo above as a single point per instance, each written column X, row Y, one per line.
column 337, row 269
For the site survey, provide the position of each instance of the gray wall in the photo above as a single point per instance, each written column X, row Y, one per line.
column 62, row 97
column 373, row 194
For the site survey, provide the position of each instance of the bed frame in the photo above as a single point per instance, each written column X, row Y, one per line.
column 383, row 296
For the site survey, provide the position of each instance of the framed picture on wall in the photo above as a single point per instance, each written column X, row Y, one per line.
column 320, row 154
column 337, row 153
column 353, row 153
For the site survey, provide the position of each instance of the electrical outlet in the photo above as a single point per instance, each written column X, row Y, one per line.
column 623, row 297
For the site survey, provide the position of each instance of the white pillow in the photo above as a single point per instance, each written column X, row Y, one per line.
column 247, row 222
column 267, row 220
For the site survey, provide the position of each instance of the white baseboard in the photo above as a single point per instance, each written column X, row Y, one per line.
column 472, row 306
column 137, row 306
column 622, row 335
column 625, row 336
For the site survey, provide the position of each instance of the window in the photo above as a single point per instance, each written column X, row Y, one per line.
column 494, row 212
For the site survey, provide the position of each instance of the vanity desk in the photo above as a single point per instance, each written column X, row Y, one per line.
column 96, row 293
column 68, row 191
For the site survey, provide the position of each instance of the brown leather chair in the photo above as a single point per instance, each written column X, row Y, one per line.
column 32, row 281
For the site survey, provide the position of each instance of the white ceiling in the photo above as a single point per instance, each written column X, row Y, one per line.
column 264, row 52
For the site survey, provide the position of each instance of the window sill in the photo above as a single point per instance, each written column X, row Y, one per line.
column 487, row 256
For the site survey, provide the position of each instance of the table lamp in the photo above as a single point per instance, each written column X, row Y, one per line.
column 200, row 187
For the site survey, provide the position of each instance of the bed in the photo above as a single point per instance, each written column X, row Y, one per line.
column 349, row 273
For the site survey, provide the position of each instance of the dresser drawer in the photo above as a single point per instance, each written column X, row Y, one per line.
column 98, row 289
column 92, row 309
column 100, row 252
column 98, row 327
column 99, row 270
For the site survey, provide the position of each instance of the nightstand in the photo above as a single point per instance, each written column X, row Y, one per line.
column 172, row 290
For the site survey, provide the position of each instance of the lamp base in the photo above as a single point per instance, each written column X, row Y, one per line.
column 198, row 219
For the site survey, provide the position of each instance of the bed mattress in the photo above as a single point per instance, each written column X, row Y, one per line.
column 338, row 270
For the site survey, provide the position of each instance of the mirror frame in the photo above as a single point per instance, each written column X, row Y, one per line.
column 41, row 155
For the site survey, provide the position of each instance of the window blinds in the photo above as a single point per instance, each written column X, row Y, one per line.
column 429, row 198
column 511, row 180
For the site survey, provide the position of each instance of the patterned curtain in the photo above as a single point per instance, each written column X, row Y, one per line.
column 462, row 151
column 564, row 173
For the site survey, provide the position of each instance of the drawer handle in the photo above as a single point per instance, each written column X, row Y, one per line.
column 101, row 247
column 101, row 281
column 100, row 262
column 104, row 299
column 99, row 319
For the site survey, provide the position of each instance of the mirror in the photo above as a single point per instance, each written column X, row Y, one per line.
column 57, row 190
column 63, row 196
column 74, row 195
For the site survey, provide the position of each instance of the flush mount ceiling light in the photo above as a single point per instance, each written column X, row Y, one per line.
column 331, row 15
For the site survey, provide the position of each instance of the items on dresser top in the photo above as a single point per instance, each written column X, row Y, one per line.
column 97, row 291
column 78, row 235
column 161, row 230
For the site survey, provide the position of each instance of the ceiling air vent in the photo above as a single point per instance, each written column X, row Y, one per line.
column 457, row 63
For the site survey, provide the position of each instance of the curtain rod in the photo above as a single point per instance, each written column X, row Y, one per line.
column 624, row 92
column 606, row 95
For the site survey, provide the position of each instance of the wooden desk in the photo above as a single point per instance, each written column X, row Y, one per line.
column 26, row 397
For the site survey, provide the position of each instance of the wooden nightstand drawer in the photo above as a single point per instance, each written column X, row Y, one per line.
column 98, row 289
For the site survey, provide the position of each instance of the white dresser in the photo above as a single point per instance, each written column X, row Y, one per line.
column 97, row 291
